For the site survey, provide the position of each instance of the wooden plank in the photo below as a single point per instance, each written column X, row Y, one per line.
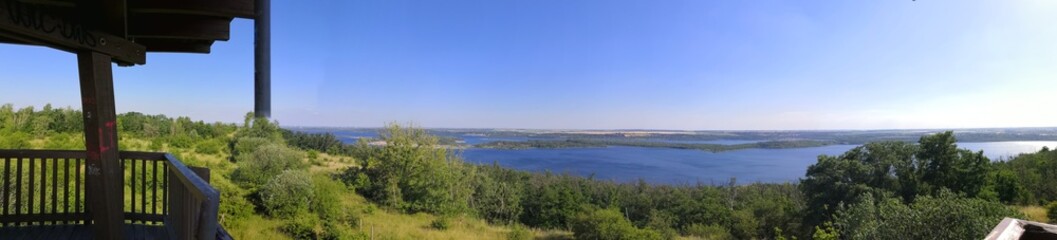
column 144, row 217
column 139, row 232
column 18, row 188
column 67, row 232
column 176, row 45
column 47, row 232
column 108, row 16
column 55, row 186
column 219, row 8
column 30, row 191
column 34, row 24
column 142, row 155
column 103, row 174
column 129, row 233
column 179, row 26
column 7, row 187
column 43, row 217
column 7, row 153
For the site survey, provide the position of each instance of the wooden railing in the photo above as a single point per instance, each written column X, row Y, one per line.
column 46, row 187
column 193, row 204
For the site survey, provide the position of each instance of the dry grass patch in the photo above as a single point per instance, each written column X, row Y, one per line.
column 1034, row 213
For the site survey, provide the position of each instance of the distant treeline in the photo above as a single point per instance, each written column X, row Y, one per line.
column 581, row 143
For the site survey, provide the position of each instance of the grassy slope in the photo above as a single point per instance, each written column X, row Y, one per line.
column 379, row 223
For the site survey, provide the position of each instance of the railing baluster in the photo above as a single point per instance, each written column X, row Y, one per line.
column 18, row 188
column 132, row 204
column 32, row 180
column 165, row 194
column 154, row 195
column 66, row 187
column 143, row 198
column 54, row 186
column 43, row 185
column 77, row 185
column 7, row 185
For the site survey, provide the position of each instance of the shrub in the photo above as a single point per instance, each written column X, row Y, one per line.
column 15, row 140
column 441, row 223
column 327, row 202
column 289, row 193
column 209, row 147
column 1051, row 211
column 155, row 144
column 181, row 141
column 711, row 231
column 608, row 224
column 303, row 226
column 518, row 232
column 946, row 216
column 248, row 145
column 265, row 163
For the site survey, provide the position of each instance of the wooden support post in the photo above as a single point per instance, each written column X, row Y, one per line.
column 103, row 173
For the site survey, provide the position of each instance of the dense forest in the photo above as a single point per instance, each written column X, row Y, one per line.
column 312, row 186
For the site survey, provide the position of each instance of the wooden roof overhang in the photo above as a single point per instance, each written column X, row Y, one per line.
column 124, row 29
column 102, row 32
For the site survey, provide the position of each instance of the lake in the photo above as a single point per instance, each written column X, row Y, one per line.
column 678, row 166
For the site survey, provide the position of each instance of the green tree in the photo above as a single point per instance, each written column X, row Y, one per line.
column 948, row 167
column 608, row 224
column 411, row 172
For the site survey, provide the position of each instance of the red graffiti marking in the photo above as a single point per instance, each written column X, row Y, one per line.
column 93, row 155
column 110, row 124
column 88, row 101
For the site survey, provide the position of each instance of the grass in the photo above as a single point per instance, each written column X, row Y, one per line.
column 256, row 227
column 1034, row 213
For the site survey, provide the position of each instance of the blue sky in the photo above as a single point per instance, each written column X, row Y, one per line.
column 604, row 64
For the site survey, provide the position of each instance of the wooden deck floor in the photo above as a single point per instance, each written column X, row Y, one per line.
column 132, row 231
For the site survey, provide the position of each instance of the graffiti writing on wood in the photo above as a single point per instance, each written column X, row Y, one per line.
column 32, row 17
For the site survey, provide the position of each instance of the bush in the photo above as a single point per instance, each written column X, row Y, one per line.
column 518, row 232
column 608, row 224
column 1051, row 211
column 441, row 223
column 289, row 193
column 946, row 216
column 303, row 226
column 265, row 163
column 209, row 147
column 327, row 202
column 248, row 145
column 15, row 140
column 711, row 231
column 181, row 141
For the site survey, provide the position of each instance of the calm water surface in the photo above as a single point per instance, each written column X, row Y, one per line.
column 664, row 165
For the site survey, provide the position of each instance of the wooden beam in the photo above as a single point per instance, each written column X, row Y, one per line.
column 103, row 174
column 220, row 8
column 37, row 25
column 176, row 45
column 109, row 16
column 177, row 26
